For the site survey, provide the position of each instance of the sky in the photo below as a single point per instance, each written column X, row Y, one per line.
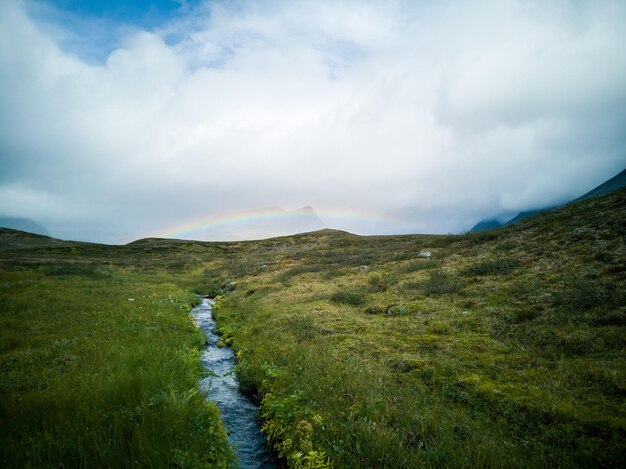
column 125, row 119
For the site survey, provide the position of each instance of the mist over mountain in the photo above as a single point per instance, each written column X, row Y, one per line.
column 263, row 223
column 611, row 185
column 23, row 224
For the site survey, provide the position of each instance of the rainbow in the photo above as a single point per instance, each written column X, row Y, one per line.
column 336, row 217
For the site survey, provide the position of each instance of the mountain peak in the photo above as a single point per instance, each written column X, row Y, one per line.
column 263, row 223
column 308, row 209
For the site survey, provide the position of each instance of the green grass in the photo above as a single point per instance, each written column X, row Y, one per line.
column 492, row 267
column 101, row 371
column 510, row 352
column 504, row 349
column 349, row 297
column 440, row 283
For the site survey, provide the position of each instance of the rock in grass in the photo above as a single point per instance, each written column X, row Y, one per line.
column 425, row 254
column 397, row 311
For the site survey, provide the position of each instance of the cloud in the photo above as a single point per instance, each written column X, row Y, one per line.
column 435, row 113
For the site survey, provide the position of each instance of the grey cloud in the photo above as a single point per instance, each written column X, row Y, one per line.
column 438, row 113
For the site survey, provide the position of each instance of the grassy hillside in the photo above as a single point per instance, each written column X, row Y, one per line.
column 503, row 348
column 99, row 362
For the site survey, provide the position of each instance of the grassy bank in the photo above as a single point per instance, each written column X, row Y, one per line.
column 502, row 349
column 99, row 368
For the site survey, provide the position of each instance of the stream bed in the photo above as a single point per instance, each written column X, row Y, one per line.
column 238, row 413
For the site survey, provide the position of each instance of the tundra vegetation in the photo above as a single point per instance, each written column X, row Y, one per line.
column 503, row 348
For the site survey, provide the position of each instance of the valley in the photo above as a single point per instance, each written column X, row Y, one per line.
column 499, row 348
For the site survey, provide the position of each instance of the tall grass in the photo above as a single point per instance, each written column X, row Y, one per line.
column 102, row 373
column 512, row 361
column 440, row 283
column 351, row 297
column 492, row 267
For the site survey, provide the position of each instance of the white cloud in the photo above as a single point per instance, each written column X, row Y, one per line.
column 439, row 113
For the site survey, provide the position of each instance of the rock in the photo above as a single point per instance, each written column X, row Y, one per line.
column 424, row 254
column 582, row 230
column 230, row 286
column 397, row 311
column 364, row 267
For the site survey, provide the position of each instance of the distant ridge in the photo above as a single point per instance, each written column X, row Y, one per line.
column 606, row 187
column 23, row 224
column 527, row 214
column 611, row 185
column 486, row 225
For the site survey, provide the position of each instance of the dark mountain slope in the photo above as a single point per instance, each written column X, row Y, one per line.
column 606, row 187
column 23, row 224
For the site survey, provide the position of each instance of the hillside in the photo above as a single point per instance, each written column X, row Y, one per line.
column 99, row 363
column 504, row 348
column 501, row 348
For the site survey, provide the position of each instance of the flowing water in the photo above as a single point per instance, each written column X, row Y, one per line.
column 238, row 412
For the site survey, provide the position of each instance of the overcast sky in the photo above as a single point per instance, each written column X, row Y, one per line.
column 118, row 121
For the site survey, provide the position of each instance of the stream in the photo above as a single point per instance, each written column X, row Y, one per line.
column 238, row 413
